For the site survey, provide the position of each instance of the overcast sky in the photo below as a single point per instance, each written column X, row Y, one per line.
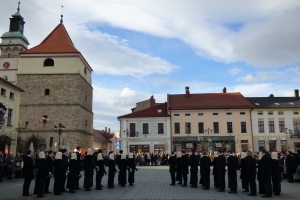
column 153, row 47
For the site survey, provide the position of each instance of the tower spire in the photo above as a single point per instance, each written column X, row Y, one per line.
column 19, row 6
column 61, row 16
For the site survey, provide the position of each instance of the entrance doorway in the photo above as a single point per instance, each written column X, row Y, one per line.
column 5, row 143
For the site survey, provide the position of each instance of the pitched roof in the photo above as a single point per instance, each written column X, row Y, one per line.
column 58, row 41
column 150, row 112
column 99, row 136
column 233, row 100
column 11, row 84
column 274, row 102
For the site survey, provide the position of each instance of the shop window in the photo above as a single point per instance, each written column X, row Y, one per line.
column 261, row 127
column 160, row 127
column 281, row 126
column 216, row 127
column 177, row 128
column 145, row 128
column 261, row 145
column 229, row 127
column 188, row 128
column 271, row 127
column 201, row 127
column 272, row 145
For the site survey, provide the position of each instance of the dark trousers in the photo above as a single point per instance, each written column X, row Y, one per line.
column 206, row 179
column 252, row 185
column 268, row 189
column 76, row 184
column 18, row 174
column 194, row 177
column 173, row 177
column 290, row 176
column 221, row 177
column 26, row 186
column 216, row 181
column 39, row 187
column 46, row 185
column 63, row 181
column 184, row 177
column 57, row 185
column 233, row 183
column 245, row 184
column 98, row 181
column 276, row 187
column 1, row 170
column 261, row 188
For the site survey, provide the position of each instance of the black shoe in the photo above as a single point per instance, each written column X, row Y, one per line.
column 58, row 193
column 27, row 195
column 266, row 196
column 193, row 186
column 245, row 190
column 183, row 185
column 64, row 190
column 72, row 191
column 172, row 184
column 89, row 189
column 99, row 188
column 41, row 195
column 180, row 183
column 232, row 192
column 277, row 194
column 220, row 190
column 78, row 188
column 252, row 195
column 47, row 192
column 123, row 185
column 111, row 187
column 131, row 184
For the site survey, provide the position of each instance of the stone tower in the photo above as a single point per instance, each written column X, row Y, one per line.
column 57, row 83
column 13, row 42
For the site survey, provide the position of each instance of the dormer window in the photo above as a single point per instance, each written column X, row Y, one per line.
column 48, row 62
column 159, row 110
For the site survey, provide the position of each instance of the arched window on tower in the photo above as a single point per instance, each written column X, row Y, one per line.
column 48, row 62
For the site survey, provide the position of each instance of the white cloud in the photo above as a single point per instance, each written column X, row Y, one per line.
column 235, row 71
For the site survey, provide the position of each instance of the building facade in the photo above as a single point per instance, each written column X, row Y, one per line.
column 146, row 130
column 276, row 122
column 9, row 123
column 210, row 121
column 57, row 79
column 13, row 43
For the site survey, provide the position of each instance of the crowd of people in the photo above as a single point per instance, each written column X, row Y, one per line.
column 269, row 168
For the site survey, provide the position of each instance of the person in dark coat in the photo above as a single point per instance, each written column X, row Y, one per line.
column 1, row 165
column 88, row 166
column 117, row 161
column 131, row 168
column 221, row 164
column 100, row 171
column 172, row 168
column 232, row 163
column 289, row 163
column 205, row 163
column 185, row 167
column 28, row 172
column 65, row 163
column 194, row 162
column 41, row 174
column 123, row 170
column 243, row 175
column 111, row 171
column 250, row 171
column 58, row 174
column 214, row 173
column 276, row 176
column 80, row 167
column 261, row 188
column 266, row 173
column 179, row 168
column 73, row 173
column 49, row 163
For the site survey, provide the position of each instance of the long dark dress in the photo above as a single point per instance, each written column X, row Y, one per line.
column 276, row 177
column 111, row 173
column 123, row 172
column 58, row 174
column 179, row 169
column 221, row 164
column 194, row 162
column 214, row 173
column 261, row 188
column 88, row 166
column 131, row 169
column 266, row 174
column 100, row 173
column 232, row 163
column 243, row 175
column 73, row 175
column 205, row 166
column 41, row 175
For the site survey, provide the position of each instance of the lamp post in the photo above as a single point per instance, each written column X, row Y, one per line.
column 60, row 129
column 208, row 131
column 2, row 113
column 127, row 132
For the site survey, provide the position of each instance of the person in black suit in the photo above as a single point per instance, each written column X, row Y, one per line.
column 65, row 163
column 289, row 163
column 194, row 162
column 276, row 175
column 58, row 174
column 80, row 167
column 73, row 173
column 111, row 171
column 41, row 174
column 185, row 167
column 261, row 188
column 117, row 161
column 221, row 164
column 214, row 173
column 28, row 173
column 88, row 166
column 172, row 167
column 100, row 171
column 49, row 163
column 123, row 170
column 205, row 163
column 266, row 173
column 232, row 163
column 131, row 168
column 243, row 175
column 250, row 164
column 179, row 168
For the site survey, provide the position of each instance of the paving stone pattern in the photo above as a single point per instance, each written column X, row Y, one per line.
column 151, row 183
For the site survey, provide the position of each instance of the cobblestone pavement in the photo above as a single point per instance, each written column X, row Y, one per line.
column 151, row 183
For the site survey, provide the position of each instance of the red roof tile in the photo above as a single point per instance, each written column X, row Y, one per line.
column 150, row 112
column 208, row 101
column 58, row 41
column 99, row 136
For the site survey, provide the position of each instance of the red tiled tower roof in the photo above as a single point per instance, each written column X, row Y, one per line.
column 58, row 41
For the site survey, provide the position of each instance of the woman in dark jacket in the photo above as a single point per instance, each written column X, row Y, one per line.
column 123, row 170
column 111, row 171
column 41, row 174
column 179, row 168
column 215, row 174
column 58, row 173
column 88, row 166
column 100, row 171
column 131, row 168
column 73, row 173
column 276, row 176
column 243, row 175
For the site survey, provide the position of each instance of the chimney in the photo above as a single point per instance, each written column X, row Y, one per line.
column 105, row 129
column 152, row 101
column 224, row 90
column 187, row 91
column 271, row 95
column 108, row 130
column 297, row 93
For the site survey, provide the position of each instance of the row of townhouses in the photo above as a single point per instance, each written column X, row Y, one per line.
column 212, row 121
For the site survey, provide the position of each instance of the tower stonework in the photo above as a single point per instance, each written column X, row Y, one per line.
column 58, row 86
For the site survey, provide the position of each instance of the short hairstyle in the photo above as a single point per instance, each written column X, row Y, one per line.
column 64, row 150
column 193, row 150
column 121, row 151
column 28, row 152
column 50, row 151
column 220, row 151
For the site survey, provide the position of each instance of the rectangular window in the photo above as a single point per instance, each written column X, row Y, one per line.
column 215, row 113
column 296, row 113
column 271, row 127
column 270, row 113
column 132, row 128
column 201, row 127
column 261, row 145
column 160, row 127
column 9, row 117
column 47, row 91
column 187, row 114
column 216, row 127
column 187, row 127
column 200, row 114
column 229, row 113
column 3, row 91
column 296, row 125
column 11, row 95
column 176, row 114
column 261, row 128
column 145, row 128
column 177, row 128
column 280, row 113
column 281, row 126
column 229, row 127
column 243, row 127
column 260, row 113
column 242, row 113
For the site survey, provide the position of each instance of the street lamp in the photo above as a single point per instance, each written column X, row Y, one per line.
column 208, row 131
column 60, row 129
column 2, row 113
column 127, row 132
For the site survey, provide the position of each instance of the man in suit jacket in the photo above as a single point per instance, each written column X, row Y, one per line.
column 194, row 169
column 172, row 167
column 49, row 163
column 65, row 162
column 117, row 161
column 232, row 163
column 250, row 164
column 221, row 164
column 185, row 167
column 80, row 167
column 205, row 163
column 28, row 173
column 266, row 173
